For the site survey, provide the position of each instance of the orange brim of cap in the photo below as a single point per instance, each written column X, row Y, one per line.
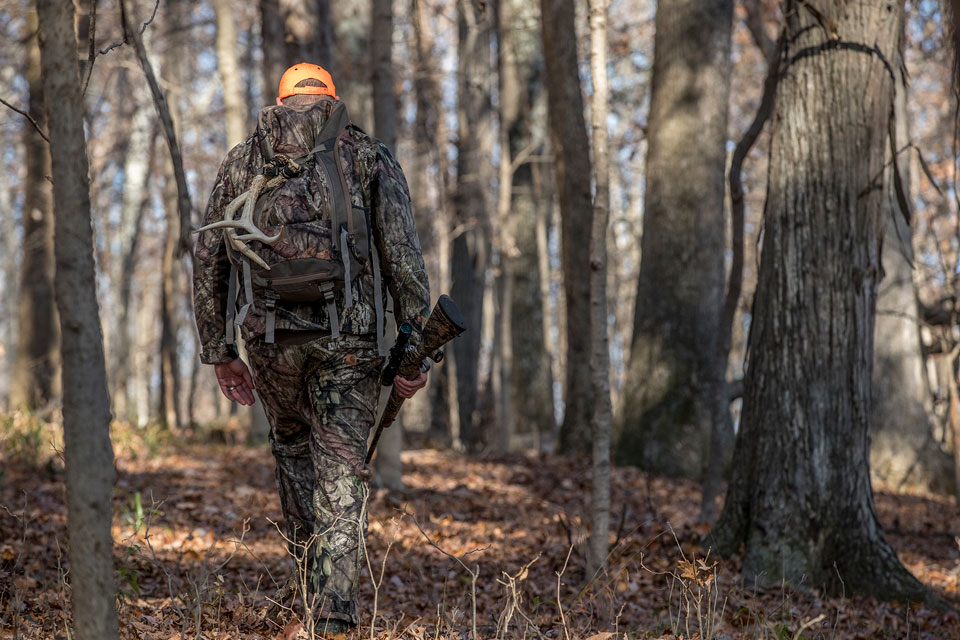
column 304, row 71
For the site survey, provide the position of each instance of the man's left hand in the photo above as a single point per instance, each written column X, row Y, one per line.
column 406, row 388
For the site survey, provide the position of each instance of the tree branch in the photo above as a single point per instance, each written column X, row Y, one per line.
column 166, row 120
column 28, row 117
column 92, row 47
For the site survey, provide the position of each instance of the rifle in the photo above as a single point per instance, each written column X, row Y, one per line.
column 444, row 324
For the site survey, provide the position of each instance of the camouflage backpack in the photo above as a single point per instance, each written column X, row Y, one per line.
column 321, row 243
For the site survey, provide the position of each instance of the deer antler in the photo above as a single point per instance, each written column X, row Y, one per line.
column 247, row 200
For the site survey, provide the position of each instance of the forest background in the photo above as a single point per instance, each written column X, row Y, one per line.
column 487, row 106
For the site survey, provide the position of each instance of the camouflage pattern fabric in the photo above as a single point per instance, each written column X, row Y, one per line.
column 320, row 396
column 375, row 183
column 321, row 401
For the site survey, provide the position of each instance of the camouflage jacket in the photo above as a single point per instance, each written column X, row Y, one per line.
column 375, row 181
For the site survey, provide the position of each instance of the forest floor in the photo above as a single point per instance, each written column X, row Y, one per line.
column 198, row 555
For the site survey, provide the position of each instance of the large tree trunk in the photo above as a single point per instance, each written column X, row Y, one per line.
column 903, row 449
column 388, row 466
column 228, row 67
column 86, row 404
column 672, row 373
column 572, row 162
column 36, row 370
column 600, row 345
column 471, row 244
column 800, row 497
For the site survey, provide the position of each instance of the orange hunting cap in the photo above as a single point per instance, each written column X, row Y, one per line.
column 304, row 71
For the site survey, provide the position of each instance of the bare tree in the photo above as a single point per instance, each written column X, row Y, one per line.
column 800, row 498
column 600, row 344
column 388, row 465
column 572, row 165
column 672, row 376
column 228, row 67
column 36, row 370
column 471, row 244
column 86, row 403
column 903, row 449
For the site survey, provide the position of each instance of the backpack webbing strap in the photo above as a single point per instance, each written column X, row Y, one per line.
column 347, row 285
column 271, row 324
column 378, row 299
column 231, row 336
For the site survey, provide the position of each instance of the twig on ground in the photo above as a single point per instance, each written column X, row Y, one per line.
column 806, row 625
column 563, row 619
column 473, row 574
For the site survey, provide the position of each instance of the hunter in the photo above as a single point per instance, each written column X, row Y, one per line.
column 308, row 229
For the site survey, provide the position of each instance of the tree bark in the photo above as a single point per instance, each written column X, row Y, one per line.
column 308, row 33
column 672, row 370
column 273, row 48
column 600, row 345
column 137, row 171
column 800, row 498
column 36, row 371
column 572, row 165
column 471, row 244
column 389, row 469
column 722, row 436
column 430, row 205
column 526, row 375
column 903, row 450
column 229, row 69
column 86, row 404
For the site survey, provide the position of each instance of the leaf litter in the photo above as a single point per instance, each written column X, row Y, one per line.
column 198, row 555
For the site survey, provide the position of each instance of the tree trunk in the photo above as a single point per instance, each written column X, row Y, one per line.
column 526, row 376
column 86, row 404
column 389, row 469
column 722, row 436
column 471, row 244
column 903, row 449
column 137, row 171
column 273, row 48
column 229, row 69
column 308, row 33
column 672, row 372
column 170, row 264
column 430, row 205
column 543, row 203
column 572, row 164
column 36, row 371
column 800, row 497
column 599, row 341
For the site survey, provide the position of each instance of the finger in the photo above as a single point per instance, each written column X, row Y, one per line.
column 225, row 389
column 247, row 394
column 247, row 378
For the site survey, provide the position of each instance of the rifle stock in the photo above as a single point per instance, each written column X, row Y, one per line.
column 444, row 324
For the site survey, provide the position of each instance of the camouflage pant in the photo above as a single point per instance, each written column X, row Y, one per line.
column 321, row 401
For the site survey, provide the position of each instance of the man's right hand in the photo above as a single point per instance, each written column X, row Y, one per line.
column 235, row 381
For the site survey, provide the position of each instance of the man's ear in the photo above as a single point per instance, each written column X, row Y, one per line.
column 279, row 102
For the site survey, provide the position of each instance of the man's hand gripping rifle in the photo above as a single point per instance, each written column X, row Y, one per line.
column 444, row 324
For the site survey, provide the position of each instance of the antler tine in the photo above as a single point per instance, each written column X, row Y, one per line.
column 248, row 201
